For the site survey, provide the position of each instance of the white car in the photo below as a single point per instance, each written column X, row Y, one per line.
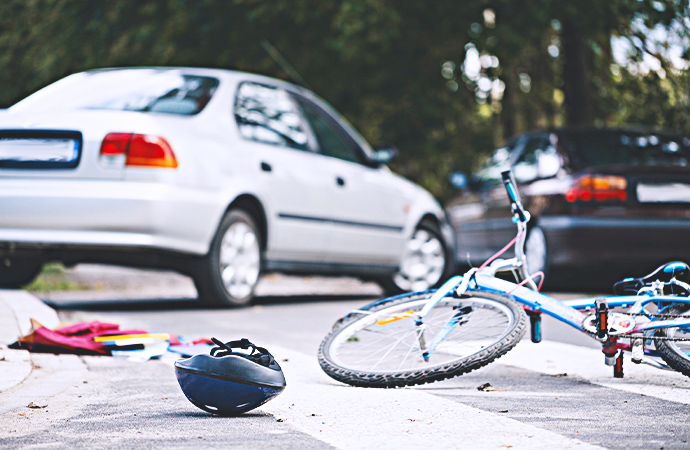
column 217, row 174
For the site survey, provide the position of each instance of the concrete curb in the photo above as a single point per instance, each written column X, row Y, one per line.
column 17, row 308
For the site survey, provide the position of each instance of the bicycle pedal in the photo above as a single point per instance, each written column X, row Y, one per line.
column 618, row 366
column 602, row 318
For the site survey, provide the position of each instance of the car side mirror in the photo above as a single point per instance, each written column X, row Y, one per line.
column 384, row 155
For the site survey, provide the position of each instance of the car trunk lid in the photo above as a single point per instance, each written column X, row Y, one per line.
column 67, row 144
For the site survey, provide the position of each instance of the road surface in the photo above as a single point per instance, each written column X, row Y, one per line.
column 557, row 394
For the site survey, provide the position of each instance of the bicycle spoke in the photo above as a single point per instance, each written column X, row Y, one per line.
column 390, row 350
column 405, row 358
column 395, row 345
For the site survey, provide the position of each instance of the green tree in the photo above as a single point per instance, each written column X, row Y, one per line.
column 444, row 81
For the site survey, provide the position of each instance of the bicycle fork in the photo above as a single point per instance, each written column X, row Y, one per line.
column 422, row 340
column 457, row 284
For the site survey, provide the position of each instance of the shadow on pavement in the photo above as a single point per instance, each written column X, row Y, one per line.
column 205, row 415
column 157, row 304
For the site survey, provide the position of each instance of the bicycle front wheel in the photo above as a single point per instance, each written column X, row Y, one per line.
column 380, row 346
column 676, row 353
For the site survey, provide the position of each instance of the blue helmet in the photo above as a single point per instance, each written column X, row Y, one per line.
column 229, row 383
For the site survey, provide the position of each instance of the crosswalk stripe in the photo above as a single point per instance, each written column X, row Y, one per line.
column 347, row 417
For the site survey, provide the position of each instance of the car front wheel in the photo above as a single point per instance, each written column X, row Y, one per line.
column 425, row 262
column 230, row 271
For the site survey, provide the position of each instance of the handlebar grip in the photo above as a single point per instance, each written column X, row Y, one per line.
column 513, row 195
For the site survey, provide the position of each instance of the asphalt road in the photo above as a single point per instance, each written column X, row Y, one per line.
column 557, row 394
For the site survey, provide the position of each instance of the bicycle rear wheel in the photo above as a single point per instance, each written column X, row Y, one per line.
column 675, row 353
column 379, row 347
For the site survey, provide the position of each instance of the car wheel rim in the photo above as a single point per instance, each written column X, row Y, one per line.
column 422, row 263
column 239, row 260
column 535, row 250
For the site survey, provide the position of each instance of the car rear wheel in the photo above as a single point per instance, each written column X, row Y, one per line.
column 230, row 271
column 425, row 262
column 17, row 272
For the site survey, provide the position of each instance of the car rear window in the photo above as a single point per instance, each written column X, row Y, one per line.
column 144, row 90
column 599, row 148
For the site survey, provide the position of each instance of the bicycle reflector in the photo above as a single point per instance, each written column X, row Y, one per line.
column 598, row 188
column 228, row 383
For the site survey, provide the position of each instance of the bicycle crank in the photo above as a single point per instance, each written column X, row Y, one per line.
column 616, row 323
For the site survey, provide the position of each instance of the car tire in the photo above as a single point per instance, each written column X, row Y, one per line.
column 537, row 252
column 426, row 262
column 17, row 272
column 230, row 271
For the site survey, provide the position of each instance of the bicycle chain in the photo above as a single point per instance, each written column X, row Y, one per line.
column 670, row 316
column 646, row 338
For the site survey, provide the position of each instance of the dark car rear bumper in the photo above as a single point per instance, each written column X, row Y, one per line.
column 599, row 241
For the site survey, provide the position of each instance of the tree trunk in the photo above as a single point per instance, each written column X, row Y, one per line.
column 577, row 85
column 509, row 108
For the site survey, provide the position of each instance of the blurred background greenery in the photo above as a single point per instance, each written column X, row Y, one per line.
column 444, row 81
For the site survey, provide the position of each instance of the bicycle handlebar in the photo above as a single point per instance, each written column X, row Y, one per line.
column 513, row 195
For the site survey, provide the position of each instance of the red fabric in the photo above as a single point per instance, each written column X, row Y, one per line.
column 77, row 336
column 45, row 336
column 87, row 328
column 93, row 329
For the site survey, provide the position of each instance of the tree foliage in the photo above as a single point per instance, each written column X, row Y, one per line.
column 444, row 81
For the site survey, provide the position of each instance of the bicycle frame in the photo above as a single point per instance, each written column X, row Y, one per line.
column 572, row 312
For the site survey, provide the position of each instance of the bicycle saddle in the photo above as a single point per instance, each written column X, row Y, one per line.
column 665, row 273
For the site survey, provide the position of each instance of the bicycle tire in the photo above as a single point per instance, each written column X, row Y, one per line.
column 460, row 356
column 672, row 351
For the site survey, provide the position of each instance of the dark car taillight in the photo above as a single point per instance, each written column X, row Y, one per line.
column 139, row 150
column 598, row 188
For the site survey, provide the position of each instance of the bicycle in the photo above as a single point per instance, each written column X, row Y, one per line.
column 474, row 318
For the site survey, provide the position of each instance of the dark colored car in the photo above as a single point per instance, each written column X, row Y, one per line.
column 605, row 203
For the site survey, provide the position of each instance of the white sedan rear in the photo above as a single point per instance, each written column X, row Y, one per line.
column 217, row 174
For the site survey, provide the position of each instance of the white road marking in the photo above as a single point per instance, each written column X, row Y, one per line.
column 553, row 358
column 347, row 417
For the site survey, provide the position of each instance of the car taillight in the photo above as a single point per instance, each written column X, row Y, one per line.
column 139, row 150
column 598, row 188
column 115, row 144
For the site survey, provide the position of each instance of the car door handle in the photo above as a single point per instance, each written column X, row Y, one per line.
column 340, row 181
column 266, row 167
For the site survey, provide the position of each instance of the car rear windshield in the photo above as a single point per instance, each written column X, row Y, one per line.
column 599, row 148
column 145, row 90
